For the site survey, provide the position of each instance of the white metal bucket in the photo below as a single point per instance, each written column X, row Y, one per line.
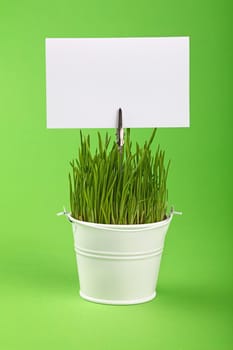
column 118, row 264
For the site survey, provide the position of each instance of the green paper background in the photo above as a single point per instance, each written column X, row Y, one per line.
column 40, row 306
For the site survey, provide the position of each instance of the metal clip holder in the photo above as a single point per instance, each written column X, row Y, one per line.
column 120, row 131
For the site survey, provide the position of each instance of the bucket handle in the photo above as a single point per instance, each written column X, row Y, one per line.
column 67, row 214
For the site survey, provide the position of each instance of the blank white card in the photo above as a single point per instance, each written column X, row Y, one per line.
column 89, row 79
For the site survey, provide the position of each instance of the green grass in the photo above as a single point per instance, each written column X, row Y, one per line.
column 113, row 187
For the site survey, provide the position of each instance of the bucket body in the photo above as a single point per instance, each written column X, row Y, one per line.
column 118, row 264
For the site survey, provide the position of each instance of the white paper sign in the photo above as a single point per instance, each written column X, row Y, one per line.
column 88, row 80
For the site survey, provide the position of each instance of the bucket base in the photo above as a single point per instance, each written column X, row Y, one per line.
column 118, row 302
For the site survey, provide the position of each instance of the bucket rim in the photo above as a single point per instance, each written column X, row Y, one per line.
column 121, row 226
